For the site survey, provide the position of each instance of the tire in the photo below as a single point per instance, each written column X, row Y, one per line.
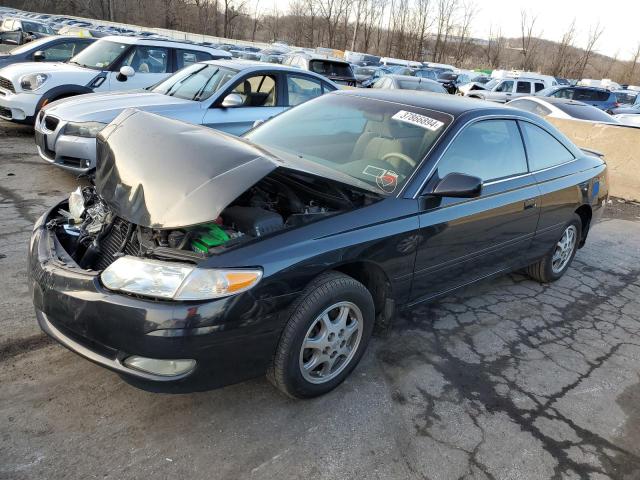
column 549, row 269
column 339, row 338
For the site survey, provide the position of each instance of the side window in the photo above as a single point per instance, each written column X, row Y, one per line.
column 506, row 86
column 564, row 93
column 489, row 149
column 538, row 86
column 542, row 148
column 523, row 87
column 61, row 52
column 583, row 95
column 257, row 91
column 604, row 97
column 144, row 59
column 301, row 89
column 184, row 58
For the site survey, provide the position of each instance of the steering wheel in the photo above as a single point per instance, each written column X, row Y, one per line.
column 401, row 156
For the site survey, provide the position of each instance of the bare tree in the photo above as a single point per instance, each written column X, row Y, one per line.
column 494, row 48
column 630, row 72
column 469, row 11
column 562, row 55
column 232, row 10
column 256, row 21
column 595, row 32
column 446, row 10
column 530, row 40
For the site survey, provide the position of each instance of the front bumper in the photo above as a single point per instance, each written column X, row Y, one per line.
column 18, row 107
column 231, row 339
column 74, row 154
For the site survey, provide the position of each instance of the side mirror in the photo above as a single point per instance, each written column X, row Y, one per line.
column 39, row 56
column 124, row 73
column 458, row 185
column 232, row 100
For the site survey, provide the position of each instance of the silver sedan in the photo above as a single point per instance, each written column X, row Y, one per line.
column 228, row 95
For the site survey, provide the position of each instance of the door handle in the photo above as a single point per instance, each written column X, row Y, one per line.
column 529, row 203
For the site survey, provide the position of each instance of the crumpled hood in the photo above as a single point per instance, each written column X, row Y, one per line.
column 162, row 173
column 104, row 107
column 467, row 87
column 17, row 70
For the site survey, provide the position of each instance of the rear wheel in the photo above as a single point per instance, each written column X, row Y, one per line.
column 326, row 335
column 553, row 265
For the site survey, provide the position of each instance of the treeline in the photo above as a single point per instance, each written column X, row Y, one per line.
column 431, row 30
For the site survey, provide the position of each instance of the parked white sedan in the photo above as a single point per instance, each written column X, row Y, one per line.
column 562, row 108
column 228, row 95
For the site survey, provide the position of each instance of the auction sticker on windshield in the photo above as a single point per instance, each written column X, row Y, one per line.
column 418, row 120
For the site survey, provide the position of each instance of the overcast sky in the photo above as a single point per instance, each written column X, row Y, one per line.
column 620, row 19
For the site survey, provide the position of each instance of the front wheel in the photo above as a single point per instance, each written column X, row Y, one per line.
column 554, row 265
column 326, row 335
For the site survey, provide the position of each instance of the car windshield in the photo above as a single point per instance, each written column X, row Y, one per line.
column 328, row 68
column 27, row 47
column 195, row 82
column 36, row 27
column 447, row 76
column 491, row 83
column 99, row 55
column 370, row 143
column 364, row 71
column 627, row 98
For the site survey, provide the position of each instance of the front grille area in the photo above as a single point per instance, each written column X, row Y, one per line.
column 7, row 85
column 111, row 244
column 50, row 123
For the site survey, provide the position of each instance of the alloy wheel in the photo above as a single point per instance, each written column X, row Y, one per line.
column 564, row 249
column 331, row 342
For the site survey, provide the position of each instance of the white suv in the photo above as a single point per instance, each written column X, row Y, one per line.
column 111, row 63
column 505, row 89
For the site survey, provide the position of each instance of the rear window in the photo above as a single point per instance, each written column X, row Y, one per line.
column 330, row 69
column 585, row 112
column 626, row 97
column 584, row 95
column 543, row 150
column 421, row 86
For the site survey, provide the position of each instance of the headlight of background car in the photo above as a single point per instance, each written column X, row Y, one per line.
column 154, row 278
column 33, row 81
column 85, row 129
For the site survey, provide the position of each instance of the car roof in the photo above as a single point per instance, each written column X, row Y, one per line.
column 412, row 78
column 255, row 65
column 159, row 42
column 452, row 104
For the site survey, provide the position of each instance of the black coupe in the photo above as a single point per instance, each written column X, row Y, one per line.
column 201, row 254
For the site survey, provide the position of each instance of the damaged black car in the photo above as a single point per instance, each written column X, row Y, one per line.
column 198, row 254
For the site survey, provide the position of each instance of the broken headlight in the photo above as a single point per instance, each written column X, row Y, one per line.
column 84, row 129
column 154, row 278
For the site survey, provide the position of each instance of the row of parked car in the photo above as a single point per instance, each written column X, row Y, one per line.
column 18, row 27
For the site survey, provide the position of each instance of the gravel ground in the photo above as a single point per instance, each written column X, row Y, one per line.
column 508, row 379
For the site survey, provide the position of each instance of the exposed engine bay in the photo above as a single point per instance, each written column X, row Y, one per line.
column 94, row 236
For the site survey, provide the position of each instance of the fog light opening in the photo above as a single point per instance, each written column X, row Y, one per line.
column 165, row 368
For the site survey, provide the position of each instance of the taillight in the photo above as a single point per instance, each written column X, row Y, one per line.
column 616, row 105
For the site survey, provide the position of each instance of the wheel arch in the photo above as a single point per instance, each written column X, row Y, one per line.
column 585, row 213
column 376, row 280
column 61, row 91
